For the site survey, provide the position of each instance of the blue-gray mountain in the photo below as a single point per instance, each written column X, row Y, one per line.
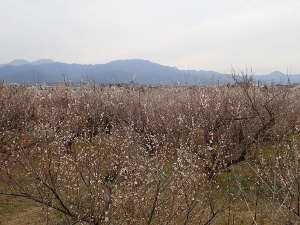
column 120, row 71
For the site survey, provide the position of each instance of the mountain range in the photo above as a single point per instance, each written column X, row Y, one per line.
column 121, row 71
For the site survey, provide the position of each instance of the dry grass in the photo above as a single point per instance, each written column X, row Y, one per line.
column 18, row 211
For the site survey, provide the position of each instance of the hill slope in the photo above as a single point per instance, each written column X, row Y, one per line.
column 119, row 71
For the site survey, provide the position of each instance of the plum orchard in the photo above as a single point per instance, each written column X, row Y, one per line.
column 152, row 155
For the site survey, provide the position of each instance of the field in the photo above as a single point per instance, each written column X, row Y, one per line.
column 150, row 155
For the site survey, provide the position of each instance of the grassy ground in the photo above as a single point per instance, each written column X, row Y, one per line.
column 19, row 212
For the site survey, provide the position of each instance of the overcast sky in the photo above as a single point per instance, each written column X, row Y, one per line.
column 191, row 34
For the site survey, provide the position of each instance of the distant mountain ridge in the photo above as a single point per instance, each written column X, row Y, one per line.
column 120, row 71
column 20, row 62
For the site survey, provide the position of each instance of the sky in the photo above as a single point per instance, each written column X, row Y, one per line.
column 193, row 34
